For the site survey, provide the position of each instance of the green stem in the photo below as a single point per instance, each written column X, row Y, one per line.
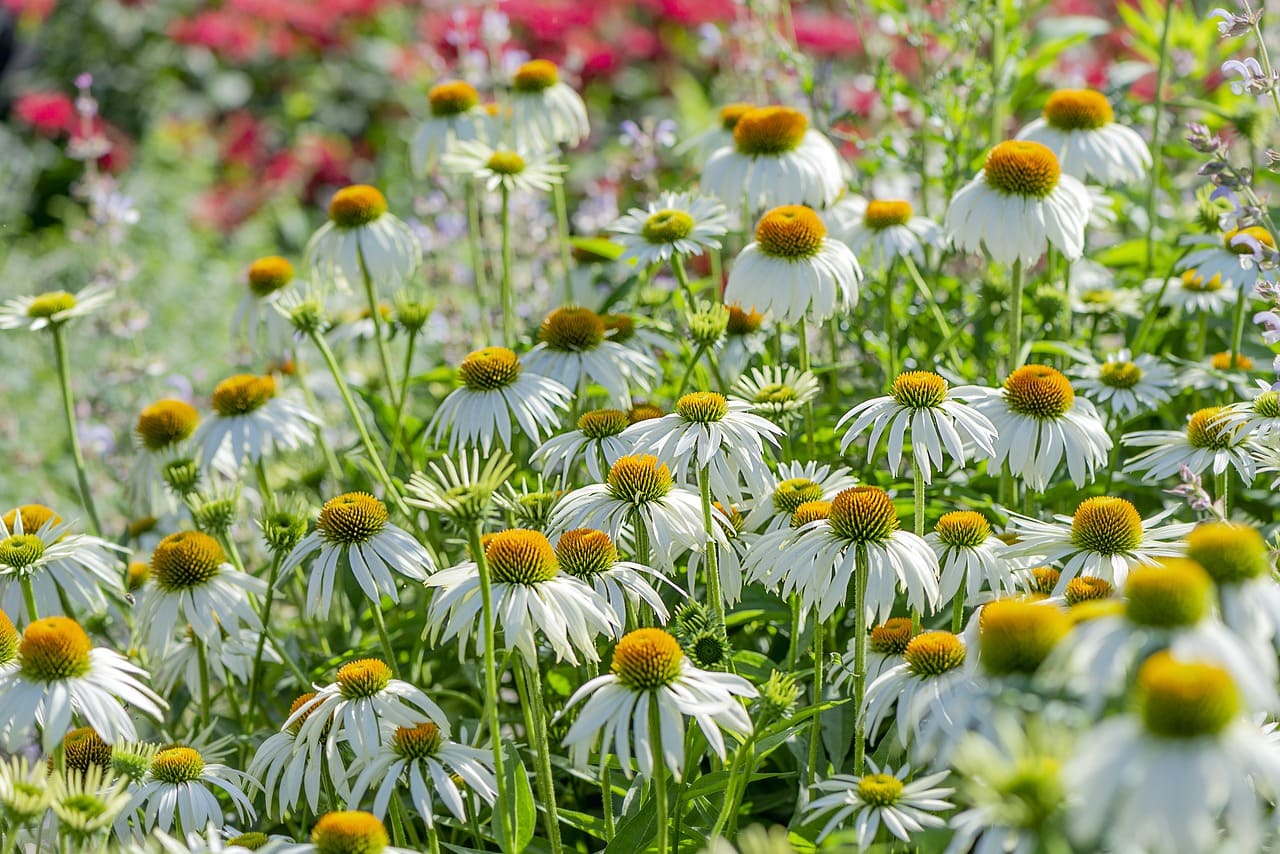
column 397, row 821
column 543, row 751
column 957, row 605
column 713, row 567
column 949, row 335
column 375, row 609
column 644, row 552
column 508, row 303
column 433, row 839
column 737, row 787
column 335, row 468
column 606, row 796
column 860, row 659
column 815, row 726
column 475, row 250
column 1224, row 492
column 1237, row 327
column 562, row 229
column 1015, row 315
column 997, row 67
column 682, row 277
column 69, row 410
column 264, row 486
column 384, row 355
column 659, row 778
column 890, row 332
column 1148, row 322
column 793, row 643
column 917, row 493
column 688, row 373
column 256, row 673
column 803, row 331
column 1157, row 141
column 29, row 597
column 490, row 667
column 398, row 428
column 202, row 661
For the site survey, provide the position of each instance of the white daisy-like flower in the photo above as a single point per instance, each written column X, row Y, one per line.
column 675, row 224
column 531, row 597
column 793, row 269
column 250, row 420
column 880, row 231
column 287, row 768
column 362, row 241
column 160, row 436
column 885, row 798
column 52, row 308
column 1098, row 294
column 1258, row 418
column 193, row 583
column 455, row 116
column 713, row 433
column 1104, row 539
column 1240, row 563
column 225, row 657
column 1207, row 444
column 886, row 645
column 971, row 557
column 352, row 529
column 597, row 441
column 791, row 485
column 1126, row 385
column 573, row 349
column 1194, row 293
column 494, row 168
column 215, row 840
column 1231, row 258
column 1039, row 421
column 940, row 423
column 776, row 159
column 650, row 689
column 777, row 392
column 178, row 791
column 1219, row 373
column 256, row 318
column 745, row 340
column 61, row 676
column 26, row 790
column 420, row 759
column 591, row 556
column 545, row 111
column 640, row 497
column 38, row 549
column 707, row 142
column 495, row 390
column 1080, row 128
column 346, row 832
column 1186, row 766
column 1018, row 205
column 87, row 801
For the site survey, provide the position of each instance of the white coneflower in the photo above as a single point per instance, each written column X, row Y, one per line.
column 1039, row 421
column 362, row 239
column 921, row 688
column 1207, row 444
column 675, row 224
column 573, row 350
column 160, row 435
column 885, row 647
column 251, row 419
column 778, row 392
column 38, row 549
column 494, row 168
column 346, row 832
column 26, row 790
column 178, row 787
column 1018, row 205
column 286, row 769
column 651, row 687
column 1258, row 419
column 532, row 599
column 1240, row 563
column 53, row 307
column 495, row 390
column 61, row 676
column 793, row 269
column 455, row 116
column 596, row 441
column 720, row 134
column 940, row 423
column 775, row 159
column 885, row 798
column 224, row 657
column 255, row 317
column 193, row 583
column 352, row 529
column 1195, row 293
column 970, row 556
column 881, row 231
column 1231, row 258
column 1126, row 385
column 591, row 556
column 86, row 802
column 545, row 111
column 1079, row 126
column 791, row 485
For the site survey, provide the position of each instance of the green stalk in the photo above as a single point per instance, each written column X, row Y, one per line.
column 1224, row 492
column 606, row 797
column 815, row 726
column 388, row 650
column 1237, row 327
column 917, row 493
column 474, row 248
column 682, row 277
column 659, row 778
column 202, row 661
column 737, row 786
column 29, row 597
column 948, row 334
column 384, row 356
column 256, row 672
column 398, row 429
column 69, row 410
column 890, row 333
column 508, row 303
column 861, row 573
column 542, row 749
column 713, row 566
column 803, row 331
column 644, row 552
column 490, row 666
column 997, row 66
column 264, row 486
column 1015, row 315
column 957, row 606
column 335, row 468
column 1157, row 141
column 562, row 229
column 433, row 839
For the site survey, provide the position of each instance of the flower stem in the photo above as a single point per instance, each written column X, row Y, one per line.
column 659, row 777
column 861, row 572
column 474, row 248
column 256, row 673
column 1237, row 327
column 433, row 839
column 398, row 429
column 803, row 332
column 713, row 567
column 682, row 277
column 384, row 356
column 815, row 726
column 737, row 786
column 490, row 666
column 508, row 303
column 69, row 410
column 1224, row 492
column 562, row 228
column 917, row 493
column 375, row 609
column 1015, row 315
column 29, row 597
column 202, row 661
column 957, row 605
column 545, row 776
column 606, row 796
column 890, row 333
column 1157, row 141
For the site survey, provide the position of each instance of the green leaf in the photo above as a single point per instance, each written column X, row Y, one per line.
column 515, row 802
column 635, row 832
column 601, row 246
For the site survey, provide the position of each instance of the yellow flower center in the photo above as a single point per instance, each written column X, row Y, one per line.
column 775, row 394
column 349, row 832
column 644, row 412
column 357, row 205
column 1120, row 374
column 879, row 790
column 1229, row 552
column 1205, row 431
column 731, row 113
column 743, row 321
column 789, row 494
column 489, row 369
column 505, row 163
column 536, row 75
column 270, row 274
column 166, row 422
column 177, row 765
column 667, row 226
column 880, row 215
column 584, row 552
column 1078, row 109
column 48, row 304
column 452, row 98
column 702, row 407
column 1022, row 168
column 301, row 701
column 1045, row 579
column 964, row 529
column 1015, row 636
column 1038, row 391
column 363, row 678
column 790, row 232
column 186, row 559
column 242, row 394
column 622, row 327
column 137, row 574
column 416, row 742
column 892, row 636
column 1106, row 525
column 1175, row 593
column 21, row 551
column 769, row 131
column 1087, row 588
column 1267, row 405
column 83, row 747
column 639, row 478
column 919, row 389
column 602, row 423
column 572, row 330
column 1185, row 700
column 34, row 517
column 521, row 556
column 934, row 653
column 863, row 514
column 810, row 511
column 1193, row 281
column 52, row 649
column 646, row 659
column 1257, row 232
column 351, row 518
column 9, row 639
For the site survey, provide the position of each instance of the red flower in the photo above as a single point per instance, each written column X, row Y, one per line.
column 50, row 114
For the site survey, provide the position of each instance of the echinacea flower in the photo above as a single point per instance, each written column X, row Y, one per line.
column 1207, row 444
column 87, row 802
column 592, row 557
column 510, row 170
column 880, row 231
column 970, row 557
column 597, row 441
column 178, row 791
column 1231, row 258
column 1194, row 293
column 286, row 769
column 1079, row 126
column 1239, row 561
column 886, row 644
column 792, row 484
column 777, row 392
column 1018, row 205
column 362, row 242
column 353, row 529
column 775, row 159
column 266, row 280
column 346, row 832
column 53, row 308
column 545, row 111
column 160, row 435
column 651, row 687
column 455, row 116
column 879, row 798
column 574, row 350
column 1259, row 418
column 793, row 269
column 250, row 420
column 720, row 134
column 675, row 224
column 1126, row 385
column 26, row 790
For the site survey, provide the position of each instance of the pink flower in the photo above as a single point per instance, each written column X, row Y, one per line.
column 50, row 114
